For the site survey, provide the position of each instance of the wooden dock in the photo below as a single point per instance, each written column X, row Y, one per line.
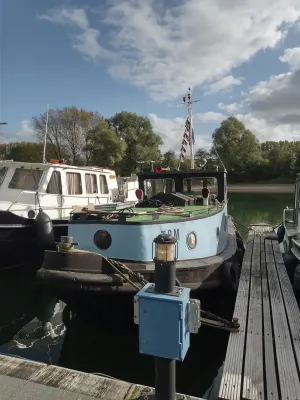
column 263, row 358
column 22, row 379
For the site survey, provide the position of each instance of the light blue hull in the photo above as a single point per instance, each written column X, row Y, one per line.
column 134, row 242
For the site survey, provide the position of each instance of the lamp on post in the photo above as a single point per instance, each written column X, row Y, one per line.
column 165, row 276
column 165, row 263
column 166, row 316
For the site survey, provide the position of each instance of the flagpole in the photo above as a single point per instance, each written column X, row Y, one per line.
column 46, row 134
column 188, row 136
column 190, row 130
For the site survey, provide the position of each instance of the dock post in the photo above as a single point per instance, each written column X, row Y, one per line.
column 166, row 316
column 165, row 277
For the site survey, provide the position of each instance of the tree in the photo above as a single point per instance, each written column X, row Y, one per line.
column 28, row 151
column 201, row 153
column 104, row 146
column 142, row 143
column 68, row 131
column 237, row 146
column 169, row 159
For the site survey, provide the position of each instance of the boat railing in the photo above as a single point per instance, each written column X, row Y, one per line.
column 285, row 211
column 62, row 196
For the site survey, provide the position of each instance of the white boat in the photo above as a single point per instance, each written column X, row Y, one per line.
column 57, row 189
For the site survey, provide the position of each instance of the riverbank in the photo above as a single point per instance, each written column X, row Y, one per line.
column 260, row 188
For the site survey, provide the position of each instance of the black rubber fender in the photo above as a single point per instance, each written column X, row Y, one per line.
column 238, row 235
column 240, row 255
column 280, row 233
column 44, row 230
column 231, row 275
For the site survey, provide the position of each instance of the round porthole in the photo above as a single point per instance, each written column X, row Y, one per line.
column 218, row 233
column 31, row 214
column 191, row 240
column 102, row 240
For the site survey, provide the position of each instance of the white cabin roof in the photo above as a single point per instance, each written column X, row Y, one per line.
column 11, row 163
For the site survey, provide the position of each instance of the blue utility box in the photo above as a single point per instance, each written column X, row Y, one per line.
column 163, row 322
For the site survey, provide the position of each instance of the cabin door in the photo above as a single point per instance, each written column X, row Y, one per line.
column 51, row 200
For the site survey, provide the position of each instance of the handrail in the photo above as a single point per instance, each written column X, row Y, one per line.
column 96, row 196
column 284, row 212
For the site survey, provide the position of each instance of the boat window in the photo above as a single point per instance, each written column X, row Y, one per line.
column 194, row 186
column 26, row 179
column 103, row 184
column 91, row 183
column 3, row 171
column 154, row 186
column 54, row 185
column 74, row 183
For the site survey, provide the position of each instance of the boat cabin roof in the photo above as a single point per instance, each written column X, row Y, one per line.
column 190, row 173
column 20, row 164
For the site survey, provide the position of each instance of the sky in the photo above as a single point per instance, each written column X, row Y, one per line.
column 240, row 58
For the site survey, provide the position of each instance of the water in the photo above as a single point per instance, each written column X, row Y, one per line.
column 111, row 348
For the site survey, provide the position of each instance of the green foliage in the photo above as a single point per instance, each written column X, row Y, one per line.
column 169, row 159
column 26, row 152
column 142, row 144
column 82, row 137
column 104, row 146
column 237, row 146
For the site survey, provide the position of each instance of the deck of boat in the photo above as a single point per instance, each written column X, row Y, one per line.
column 263, row 358
column 174, row 213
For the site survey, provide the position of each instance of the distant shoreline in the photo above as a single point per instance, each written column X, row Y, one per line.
column 260, row 188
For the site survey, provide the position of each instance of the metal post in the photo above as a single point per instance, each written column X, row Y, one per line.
column 165, row 369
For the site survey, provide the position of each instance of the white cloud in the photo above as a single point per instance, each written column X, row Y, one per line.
column 86, row 42
column 171, row 130
column 193, row 43
column 25, row 134
column 276, row 101
column 292, row 57
column 265, row 131
column 209, row 116
column 224, row 83
column 229, row 108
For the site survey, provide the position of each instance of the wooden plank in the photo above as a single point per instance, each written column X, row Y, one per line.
column 231, row 383
column 18, row 367
column 253, row 379
column 290, row 302
column 286, row 365
column 82, row 383
column 271, row 387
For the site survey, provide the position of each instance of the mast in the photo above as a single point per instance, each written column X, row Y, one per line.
column 46, row 134
column 190, row 115
column 188, row 136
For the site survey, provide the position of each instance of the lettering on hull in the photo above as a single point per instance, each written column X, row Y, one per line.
column 175, row 233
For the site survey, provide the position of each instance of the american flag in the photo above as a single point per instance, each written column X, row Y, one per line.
column 187, row 137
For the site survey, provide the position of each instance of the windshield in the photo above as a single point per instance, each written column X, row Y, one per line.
column 26, row 179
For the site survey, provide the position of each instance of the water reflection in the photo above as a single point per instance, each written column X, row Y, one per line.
column 98, row 341
column 107, row 342
column 30, row 319
column 112, row 348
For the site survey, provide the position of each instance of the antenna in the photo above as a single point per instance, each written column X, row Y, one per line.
column 46, row 134
column 189, row 127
